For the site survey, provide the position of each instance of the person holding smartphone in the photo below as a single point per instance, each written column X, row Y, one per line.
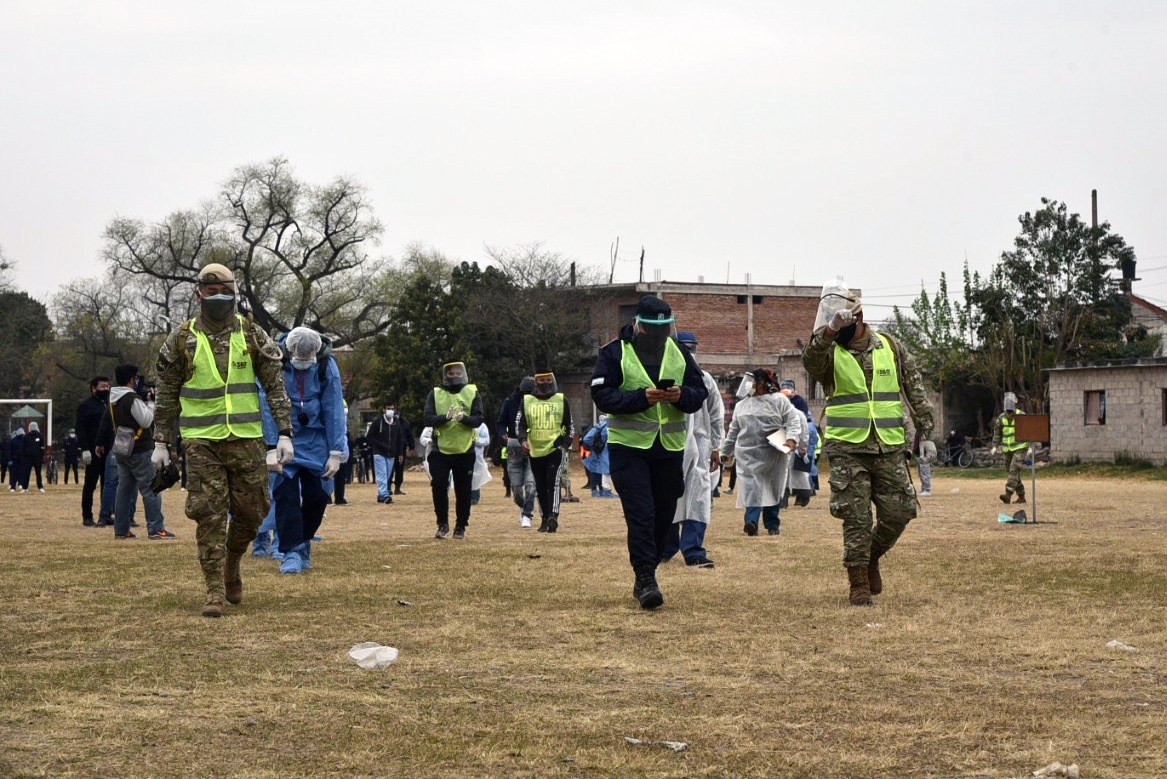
column 647, row 381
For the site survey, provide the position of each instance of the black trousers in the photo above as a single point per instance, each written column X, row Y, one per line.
column 650, row 483
column 462, row 468
column 94, row 475
column 548, row 471
column 398, row 472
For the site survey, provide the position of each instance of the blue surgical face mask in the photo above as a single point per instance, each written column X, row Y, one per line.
column 303, row 365
column 389, row 413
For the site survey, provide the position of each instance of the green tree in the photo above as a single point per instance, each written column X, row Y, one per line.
column 1051, row 299
column 26, row 328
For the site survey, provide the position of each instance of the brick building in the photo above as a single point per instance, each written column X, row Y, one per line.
column 1101, row 410
column 739, row 326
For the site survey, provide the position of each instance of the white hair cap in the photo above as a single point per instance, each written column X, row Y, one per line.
column 302, row 342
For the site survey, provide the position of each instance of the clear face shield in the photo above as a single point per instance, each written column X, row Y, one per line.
column 545, row 385
column 834, row 298
column 746, row 387
column 454, row 375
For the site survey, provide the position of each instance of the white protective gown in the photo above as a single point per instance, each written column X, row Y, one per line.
column 761, row 469
column 704, row 431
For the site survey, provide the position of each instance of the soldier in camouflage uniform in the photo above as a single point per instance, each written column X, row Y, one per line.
column 207, row 370
column 1005, row 439
column 864, row 374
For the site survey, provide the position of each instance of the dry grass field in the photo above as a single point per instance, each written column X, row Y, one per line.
column 524, row 654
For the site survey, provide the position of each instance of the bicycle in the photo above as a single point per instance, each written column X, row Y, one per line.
column 961, row 456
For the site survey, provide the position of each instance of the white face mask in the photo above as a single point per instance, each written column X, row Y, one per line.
column 389, row 414
column 303, row 365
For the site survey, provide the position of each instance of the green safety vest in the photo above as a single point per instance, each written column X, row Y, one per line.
column 639, row 430
column 1009, row 443
column 544, row 422
column 852, row 409
column 214, row 409
column 454, row 437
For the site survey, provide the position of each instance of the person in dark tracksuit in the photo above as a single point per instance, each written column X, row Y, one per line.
column 545, row 430
column 647, row 381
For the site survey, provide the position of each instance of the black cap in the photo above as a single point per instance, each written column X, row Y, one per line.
column 653, row 310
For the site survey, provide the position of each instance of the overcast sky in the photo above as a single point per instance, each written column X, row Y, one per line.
column 885, row 141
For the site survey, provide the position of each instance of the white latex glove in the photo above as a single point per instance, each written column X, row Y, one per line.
column 86, row 457
column 459, row 415
column 452, row 412
column 841, row 319
column 273, row 461
column 284, row 450
column 993, row 450
column 928, row 449
column 332, row 466
column 160, row 456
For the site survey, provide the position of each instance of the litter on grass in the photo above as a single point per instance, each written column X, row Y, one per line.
column 370, row 655
column 676, row 746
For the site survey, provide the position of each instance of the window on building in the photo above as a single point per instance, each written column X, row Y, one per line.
column 1165, row 406
column 1095, row 407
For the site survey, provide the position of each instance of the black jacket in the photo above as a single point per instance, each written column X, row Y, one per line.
column 89, row 414
column 608, row 377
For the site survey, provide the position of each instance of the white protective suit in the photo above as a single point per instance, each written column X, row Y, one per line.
column 704, row 432
column 761, row 469
column 481, row 470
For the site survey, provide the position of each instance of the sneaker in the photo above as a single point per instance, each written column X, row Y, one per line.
column 699, row 562
column 926, row 494
column 42, row 489
column 552, row 524
column 388, row 499
column 162, row 535
column 443, row 531
column 342, row 502
column 459, row 532
column 124, row 536
column 398, row 491
column 104, row 523
column 524, row 520
column 773, row 531
column 750, row 529
column 543, row 527
column 88, row 523
column 380, row 499
column 727, row 491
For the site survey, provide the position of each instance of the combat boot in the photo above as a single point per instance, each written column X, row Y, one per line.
column 215, row 595
column 1020, row 497
column 646, row 591
column 232, row 579
column 1005, row 498
column 874, row 580
column 860, row 594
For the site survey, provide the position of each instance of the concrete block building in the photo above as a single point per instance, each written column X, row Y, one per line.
column 1104, row 410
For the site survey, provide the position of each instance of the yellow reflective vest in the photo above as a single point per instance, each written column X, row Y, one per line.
column 454, row 437
column 214, row 409
column 852, row 409
column 639, row 430
column 1009, row 442
column 544, row 422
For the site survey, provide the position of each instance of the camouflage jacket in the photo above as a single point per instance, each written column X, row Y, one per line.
column 819, row 359
column 176, row 367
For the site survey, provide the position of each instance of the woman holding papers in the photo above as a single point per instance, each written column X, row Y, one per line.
column 764, row 430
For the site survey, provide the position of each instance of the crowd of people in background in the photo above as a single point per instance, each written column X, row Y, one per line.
column 663, row 441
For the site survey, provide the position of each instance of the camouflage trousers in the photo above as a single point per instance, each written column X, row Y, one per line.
column 857, row 481
column 225, row 476
column 1014, row 462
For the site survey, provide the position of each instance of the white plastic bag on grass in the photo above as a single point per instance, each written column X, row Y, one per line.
column 370, row 655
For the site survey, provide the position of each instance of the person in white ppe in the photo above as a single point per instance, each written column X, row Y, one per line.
column 704, row 432
column 300, row 488
column 765, row 428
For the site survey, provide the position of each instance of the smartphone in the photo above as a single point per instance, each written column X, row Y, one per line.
column 665, row 384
